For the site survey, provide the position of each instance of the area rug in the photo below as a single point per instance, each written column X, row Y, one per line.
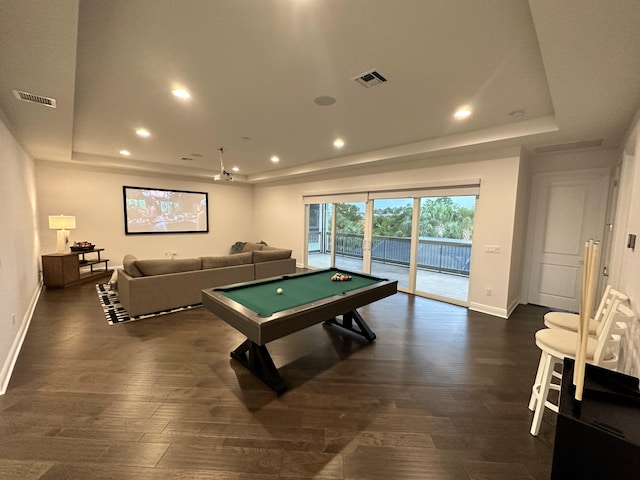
column 116, row 313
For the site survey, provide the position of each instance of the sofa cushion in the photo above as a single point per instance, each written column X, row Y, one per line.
column 161, row 266
column 251, row 247
column 226, row 260
column 129, row 265
column 270, row 255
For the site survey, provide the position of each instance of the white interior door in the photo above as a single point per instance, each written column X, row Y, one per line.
column 569, row 209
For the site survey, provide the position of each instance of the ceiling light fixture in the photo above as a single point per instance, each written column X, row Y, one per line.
column 141, row 132
column 338, row 143
column 126, row 153
column 275, row 159
column 181, row 93
column 235, row 169
column 463, row 112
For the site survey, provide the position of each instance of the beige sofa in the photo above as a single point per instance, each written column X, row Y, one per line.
column 154, row 285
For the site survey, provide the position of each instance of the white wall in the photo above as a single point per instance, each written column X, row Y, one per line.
column 19, row 276
column 519, row 237
column 95, row 198
column 279, row 214
column 625, row 268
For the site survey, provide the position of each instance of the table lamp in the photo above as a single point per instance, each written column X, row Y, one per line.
column 62, row 223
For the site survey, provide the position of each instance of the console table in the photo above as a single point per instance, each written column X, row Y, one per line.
column 64, row 269
column 600, row 439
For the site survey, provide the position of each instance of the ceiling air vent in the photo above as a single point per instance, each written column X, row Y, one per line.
column 570, row 146
column 33, row 98
column 369, row 79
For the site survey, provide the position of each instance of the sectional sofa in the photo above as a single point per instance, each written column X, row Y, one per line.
column 154, row 285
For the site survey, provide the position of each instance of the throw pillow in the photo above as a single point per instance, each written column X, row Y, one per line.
column 250, row 247
column 237, row 247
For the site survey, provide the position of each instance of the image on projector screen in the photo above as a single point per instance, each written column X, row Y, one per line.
column 156, row 210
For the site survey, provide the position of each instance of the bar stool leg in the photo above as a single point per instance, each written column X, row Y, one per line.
column 536, row 383
column 543, row 393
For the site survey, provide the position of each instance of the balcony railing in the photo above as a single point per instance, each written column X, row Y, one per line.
column 435, row 254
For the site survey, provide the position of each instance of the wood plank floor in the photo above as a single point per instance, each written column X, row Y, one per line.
column 441, row 394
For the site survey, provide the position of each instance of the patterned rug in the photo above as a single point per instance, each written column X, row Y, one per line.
column 116, row 313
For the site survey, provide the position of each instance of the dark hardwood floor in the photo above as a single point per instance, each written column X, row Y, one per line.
column 441, row 394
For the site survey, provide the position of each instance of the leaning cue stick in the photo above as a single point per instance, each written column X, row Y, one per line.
column 583, row 288
column 594, row 251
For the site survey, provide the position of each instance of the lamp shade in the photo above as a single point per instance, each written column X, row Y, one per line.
column 62, row 222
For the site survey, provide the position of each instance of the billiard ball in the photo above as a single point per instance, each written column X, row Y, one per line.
column 279, row 291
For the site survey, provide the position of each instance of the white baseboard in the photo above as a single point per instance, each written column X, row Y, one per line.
column 10, row 361
column 489, row 310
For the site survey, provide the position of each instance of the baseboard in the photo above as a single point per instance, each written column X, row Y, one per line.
column 489, row 310
column 10, row 361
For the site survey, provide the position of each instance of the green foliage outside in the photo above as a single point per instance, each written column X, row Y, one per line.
column 439, row 218
column 442, row 218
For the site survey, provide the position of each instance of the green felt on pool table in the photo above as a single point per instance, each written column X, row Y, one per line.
column 263, row 299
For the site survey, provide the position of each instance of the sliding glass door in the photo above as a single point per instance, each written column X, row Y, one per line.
column 391, row 240
column 444, row 247
column 349, row 236
column 319, row 235
column 420, row 239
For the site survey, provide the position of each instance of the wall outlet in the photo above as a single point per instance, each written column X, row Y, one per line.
column 487, row 292
column 492, row 249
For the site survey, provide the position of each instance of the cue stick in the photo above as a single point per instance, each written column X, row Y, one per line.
column 583, row 287
column 593, row 266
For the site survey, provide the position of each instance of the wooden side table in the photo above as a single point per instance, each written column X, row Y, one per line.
column 64, row 269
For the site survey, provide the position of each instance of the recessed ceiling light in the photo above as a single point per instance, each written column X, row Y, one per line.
column 181, row 93
column 275, row 159
column 126, row 153
column 338, row 143
column 235, row 169
column 463, row 112
column 142, row 132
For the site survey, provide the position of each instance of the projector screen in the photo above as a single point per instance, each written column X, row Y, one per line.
column 156, row 210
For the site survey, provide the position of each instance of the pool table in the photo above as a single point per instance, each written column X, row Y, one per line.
column 258, row 311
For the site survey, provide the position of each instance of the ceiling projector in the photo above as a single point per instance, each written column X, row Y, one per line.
column 223, row 177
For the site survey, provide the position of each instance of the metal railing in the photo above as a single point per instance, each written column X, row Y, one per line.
column 435, row 254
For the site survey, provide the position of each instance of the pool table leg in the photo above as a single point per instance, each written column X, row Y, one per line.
column 363, row 331
column 257, row 359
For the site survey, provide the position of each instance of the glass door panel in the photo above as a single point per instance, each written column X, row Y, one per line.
column 444, row 247
column 319, row 236
column 391, row 239
column 349, row 236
